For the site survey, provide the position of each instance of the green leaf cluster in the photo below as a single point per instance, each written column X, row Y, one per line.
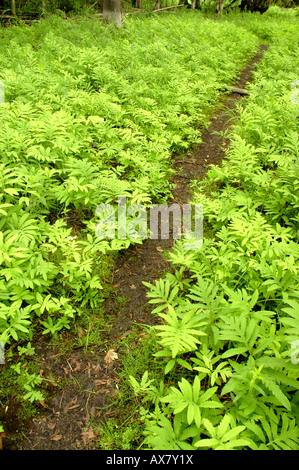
column 237, row 388
column 79, row 133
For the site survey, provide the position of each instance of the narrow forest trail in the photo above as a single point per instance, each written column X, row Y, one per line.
column 80, row 383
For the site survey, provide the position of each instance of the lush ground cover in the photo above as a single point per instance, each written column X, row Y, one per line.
column 230, row 312
column 90, row 114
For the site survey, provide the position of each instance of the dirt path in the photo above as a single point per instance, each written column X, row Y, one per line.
column 146, row 262
column 81, row 383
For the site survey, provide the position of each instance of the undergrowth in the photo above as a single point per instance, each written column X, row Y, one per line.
column 91, row 114
column 230, row 311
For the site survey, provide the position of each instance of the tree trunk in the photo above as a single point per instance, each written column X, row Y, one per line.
column 219, row 7
column 13, row 8
column 192, row 4
column 112, row 12
column 139, row 4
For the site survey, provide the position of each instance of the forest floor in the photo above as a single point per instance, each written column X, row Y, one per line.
column 82, row 384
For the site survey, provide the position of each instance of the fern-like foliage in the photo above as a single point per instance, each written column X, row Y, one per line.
column 242, row 284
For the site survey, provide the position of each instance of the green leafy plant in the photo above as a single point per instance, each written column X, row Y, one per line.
column 81, row 133
column 241, row 286
column 191, row 399
column 223, row 437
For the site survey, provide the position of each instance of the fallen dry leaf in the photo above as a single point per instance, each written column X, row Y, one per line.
column 101, row 382
column 87, row 435
column 80, row 332
column 73, row 407
column 69, row 405
column 110, row 357
column 51, row 426
column 57, row 437
column 77, row 366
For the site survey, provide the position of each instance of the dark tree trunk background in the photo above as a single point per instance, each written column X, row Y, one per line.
column 255, row 5
column 13, row 8
column 112, row 12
